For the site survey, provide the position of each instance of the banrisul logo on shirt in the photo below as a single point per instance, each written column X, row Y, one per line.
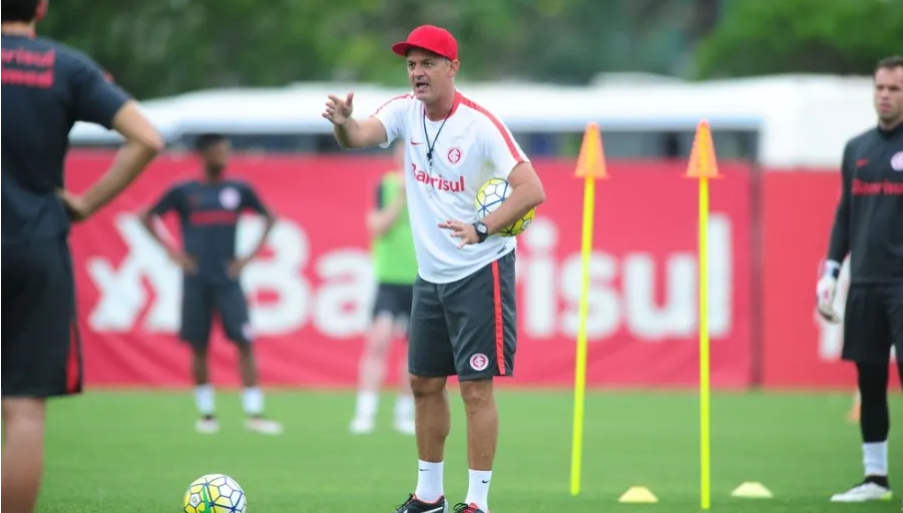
column 437, row 181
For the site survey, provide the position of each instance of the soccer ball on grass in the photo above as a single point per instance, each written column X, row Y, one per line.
column 215, row 493
column 492, row 194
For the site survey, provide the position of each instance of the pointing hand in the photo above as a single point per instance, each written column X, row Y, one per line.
column 338, row 111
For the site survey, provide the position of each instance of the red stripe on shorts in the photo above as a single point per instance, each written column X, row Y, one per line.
column 499, row 324
column 73, row 363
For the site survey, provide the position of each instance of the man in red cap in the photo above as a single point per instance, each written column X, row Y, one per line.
column 463, row 318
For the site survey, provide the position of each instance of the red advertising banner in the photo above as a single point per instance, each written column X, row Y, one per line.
column 310, row 293
column 801, row 349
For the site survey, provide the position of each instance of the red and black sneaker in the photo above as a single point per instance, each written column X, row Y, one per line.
column 415, row 505
column 468, row 508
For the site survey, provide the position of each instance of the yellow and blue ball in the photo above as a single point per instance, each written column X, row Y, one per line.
column 215, row 493
column 490, row 196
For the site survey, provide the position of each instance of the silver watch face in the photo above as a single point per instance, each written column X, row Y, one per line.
column 482, row 228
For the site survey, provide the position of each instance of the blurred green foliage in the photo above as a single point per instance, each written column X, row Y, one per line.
column 163, row 47
column 801, row 36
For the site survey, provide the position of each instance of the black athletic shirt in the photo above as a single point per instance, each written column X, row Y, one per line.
column 47, row 87
column 869, row 219
column 208, row 213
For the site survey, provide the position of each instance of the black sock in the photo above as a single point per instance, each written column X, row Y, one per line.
column 878, row 480
column 875, row 417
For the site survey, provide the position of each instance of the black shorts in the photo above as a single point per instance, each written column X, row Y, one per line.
column 199, row 302
column 393, row 299
column 466, row 328
column 41, row 346
column 873, row 323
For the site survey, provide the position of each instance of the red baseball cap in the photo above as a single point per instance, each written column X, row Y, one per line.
column 430, row 38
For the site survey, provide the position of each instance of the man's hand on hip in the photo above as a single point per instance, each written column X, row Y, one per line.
column 76, row 206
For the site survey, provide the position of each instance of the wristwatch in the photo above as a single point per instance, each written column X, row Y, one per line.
column 482, row 230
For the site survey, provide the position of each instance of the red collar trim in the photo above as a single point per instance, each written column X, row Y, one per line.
column 457, row 101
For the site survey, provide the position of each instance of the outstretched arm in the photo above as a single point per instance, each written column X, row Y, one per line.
column 349, row 132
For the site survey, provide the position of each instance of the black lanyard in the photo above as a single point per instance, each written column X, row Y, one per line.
column 430, row 146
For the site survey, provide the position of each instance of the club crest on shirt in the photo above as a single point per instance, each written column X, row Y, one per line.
column 896, row 162
column 454, row 155
column 229, row 198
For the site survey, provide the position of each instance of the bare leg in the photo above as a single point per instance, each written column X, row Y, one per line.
column 200, row 370
column 433, row 423
column 246, row 366
column 482, row 437
column 372, row 370
column 404, row 404
column 23, row 453
column 404, row 379
column 252, row 395
column 203, row 391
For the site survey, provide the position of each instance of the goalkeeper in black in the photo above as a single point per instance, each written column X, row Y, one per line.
column 869, row 227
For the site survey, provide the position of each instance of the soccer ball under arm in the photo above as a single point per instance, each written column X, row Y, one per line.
column 490, row 196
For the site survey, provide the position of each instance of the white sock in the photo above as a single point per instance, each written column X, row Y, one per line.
column 252, row 401
column 404, row 407
column 874, row 457
column 367, row 403
column 478, row 490
column 204, row 399
column 429, row 482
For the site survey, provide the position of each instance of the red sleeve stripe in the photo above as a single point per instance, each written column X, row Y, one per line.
column 400, row 97
column 509, row 141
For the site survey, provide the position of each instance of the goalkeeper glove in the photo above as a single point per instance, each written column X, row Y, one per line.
column 826, row 290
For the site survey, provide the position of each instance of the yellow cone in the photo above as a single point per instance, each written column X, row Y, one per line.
column 752, row 490
column 638, row 495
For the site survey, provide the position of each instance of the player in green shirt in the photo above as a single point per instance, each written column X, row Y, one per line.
column 395, row 268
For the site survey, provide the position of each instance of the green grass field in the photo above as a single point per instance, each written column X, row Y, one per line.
column 136, row 452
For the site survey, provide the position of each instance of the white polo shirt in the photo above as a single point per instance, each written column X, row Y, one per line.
column 471, row 147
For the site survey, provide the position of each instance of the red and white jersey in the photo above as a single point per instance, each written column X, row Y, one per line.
column 470, row 148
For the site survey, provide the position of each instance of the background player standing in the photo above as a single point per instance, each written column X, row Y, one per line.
column 869, row 226
column 395, row 268
column 463, row 319
column 47, row 87
column 208, row 210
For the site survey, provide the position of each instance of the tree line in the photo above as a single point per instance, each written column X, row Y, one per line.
column 158, row 48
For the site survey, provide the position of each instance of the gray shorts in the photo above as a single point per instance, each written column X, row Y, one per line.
column 200, row 301
column 466, row 328
column 393, row 299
